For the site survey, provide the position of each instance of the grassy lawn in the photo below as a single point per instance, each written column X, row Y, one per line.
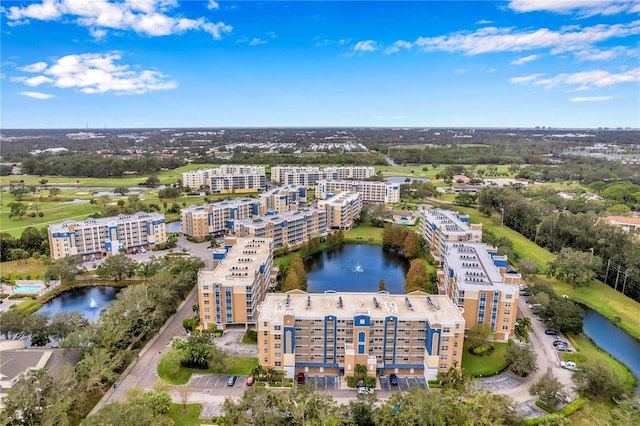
column 364, row 235
column 238, row 365
column 190, row 418
column 596, row 356
column 15, row 270
column 594, row 413
column 484, row 366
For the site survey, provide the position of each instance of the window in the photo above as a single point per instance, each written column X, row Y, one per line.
column 505, row 319
column 278, row 354
column 277, row 327
column 509, row 296
column 278, row 345
column 444, row 348
column 446, row 329
column 278, row 364
column 443, row 357
column 277, row 336
column 505, row 327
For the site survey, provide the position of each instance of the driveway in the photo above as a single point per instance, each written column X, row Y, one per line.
column 231, row 342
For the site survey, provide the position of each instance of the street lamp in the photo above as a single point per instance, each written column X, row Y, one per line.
column 501, row 216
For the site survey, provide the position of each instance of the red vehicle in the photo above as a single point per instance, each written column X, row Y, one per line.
column 250, row 380
column 301, row 378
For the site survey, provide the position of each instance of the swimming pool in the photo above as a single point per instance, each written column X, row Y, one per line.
column 26, row 288
column 405, row 222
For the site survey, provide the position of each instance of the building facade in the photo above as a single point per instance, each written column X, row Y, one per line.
column 231, row 292
column 217, row 218
column 95, row 238
column 342, row 210
column 478, row 280
column 288, row 229
column 283, row 198
column 308, row 176
column 441, row 227
column 371, row 191
column 227, row 178
column 330, row 333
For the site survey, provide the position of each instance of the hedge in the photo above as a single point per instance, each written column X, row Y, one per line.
column 565, row 412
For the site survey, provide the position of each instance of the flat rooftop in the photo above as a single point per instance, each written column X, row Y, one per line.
column 241, row 264
column 476, row 269
column 416, row 305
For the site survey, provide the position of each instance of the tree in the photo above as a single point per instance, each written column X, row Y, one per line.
column 54, row 192
column 152, row 181
column 575, row 267
column 43, row 181
column 564, row 315
column 361, row 410
column 116, row 267
column 14, row 324
column 291, row 282
column 522, row 360
column 466, row 199
column 185, row 392
column 527, row 267
column 417, row 278
column 523, row 327
column 478, row 335
column 411, row 245
column 548, row 390
column 18, row 191
column 64, row 323
column 199, row 352
column 64, row 269
column 19, row 254
column 122, row 190
column 17, row 209
column 381, row 285
column 599, row 381
column 298, row 266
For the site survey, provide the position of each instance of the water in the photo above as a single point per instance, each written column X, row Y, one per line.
column 25, row 288
column 355, row 267
column 403, row 179
column 89, row 301
column 614, row 341
column 174, row 226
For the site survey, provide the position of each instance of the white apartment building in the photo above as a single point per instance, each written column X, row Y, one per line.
column 226, row 178
column 217, row 218
column 441, row 227
column 371, row 191
column 308, row 176
column 342, row 209
column 95, row 238
column 283, row 198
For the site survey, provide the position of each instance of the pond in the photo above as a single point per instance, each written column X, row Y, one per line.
column 403, row 179
column 174, row 226
column 613, row 340
column 355, row 267
column 89, row 301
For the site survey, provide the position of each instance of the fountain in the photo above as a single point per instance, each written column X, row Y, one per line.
column 92, row 303
column 358, row 268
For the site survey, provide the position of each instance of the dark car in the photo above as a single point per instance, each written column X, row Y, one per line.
column 559, row 343
column 393, row 379
column 552, row 332
column 231, row 380
column 300, row 378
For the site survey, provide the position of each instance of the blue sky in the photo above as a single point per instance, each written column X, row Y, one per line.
column 164, row 63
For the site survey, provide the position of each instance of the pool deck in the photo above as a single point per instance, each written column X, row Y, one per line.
column 42, row 287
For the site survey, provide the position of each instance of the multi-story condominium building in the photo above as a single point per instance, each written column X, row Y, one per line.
column 96, row 238
column 233, row 289
column 441, row 227
column 476, row 279
column 217, row 218
column 342, row 209
column 288, row 229
column 227, row 178
column 329, row 334
column 308, row 176
column 283, row 198
column 372, row 191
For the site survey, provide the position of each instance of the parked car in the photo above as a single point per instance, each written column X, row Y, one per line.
column 560, row 343
column 569, row 365
column 552, row 332
column 231, row 380
column 364, row 390
column 563, row 349
column 300, row 378
column 393, row 379
column 250, row 380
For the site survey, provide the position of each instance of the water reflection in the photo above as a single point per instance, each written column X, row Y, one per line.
column 89, row 301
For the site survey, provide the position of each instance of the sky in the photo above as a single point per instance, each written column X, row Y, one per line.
column 167, row 63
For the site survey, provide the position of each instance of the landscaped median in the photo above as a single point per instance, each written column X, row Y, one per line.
column 235, row 365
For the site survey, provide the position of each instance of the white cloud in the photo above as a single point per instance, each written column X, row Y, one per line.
column 524, row 59
column 96, row 73
column 148, row 17
column 365, row 46
column 37, row 67
column 591, row 99
column 256, row 41
column 484, row 22
column 37, row 95
column 584, row 80
column 493, row 39
column 584, row 8
column 213, row 5
column 594, row 54
column 400, row 44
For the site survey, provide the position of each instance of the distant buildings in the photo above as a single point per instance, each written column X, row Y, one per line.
column 95, row 238
column 342, row 210
column 371, row 191
column 217, row 218
column 227, row 179
column 477, row 279
column 440, row 227
column 308, row 176
column 230, row 292
column 288, row 229
column 329, row 334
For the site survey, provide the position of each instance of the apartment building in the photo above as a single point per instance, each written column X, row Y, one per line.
column 288, row 229
column 217, row 218
column 95, row 238
column 227, row 178
column 342, row 210
column 283, row 198
column 231, row 292
column 440, row 227
column 330, row 333
column 478, row 280
column 308, row 176
column 371, row 191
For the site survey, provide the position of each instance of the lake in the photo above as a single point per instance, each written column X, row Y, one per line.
column 355, row 267
column 89, row 301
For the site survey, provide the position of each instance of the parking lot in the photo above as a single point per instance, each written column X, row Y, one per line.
column 404, row 383
column 323, row 382
column 216, row 381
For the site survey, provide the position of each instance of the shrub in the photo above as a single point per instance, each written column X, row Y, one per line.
column 481, row 350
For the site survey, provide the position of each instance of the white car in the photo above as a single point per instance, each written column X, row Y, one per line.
column 569, row 365
column 364, row 390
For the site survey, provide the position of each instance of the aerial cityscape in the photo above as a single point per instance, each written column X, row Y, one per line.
column 310, row 213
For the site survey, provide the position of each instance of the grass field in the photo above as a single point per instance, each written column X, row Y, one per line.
column 190, row 418
column 416, row 171
column 364, row 235
column 239, row 365
column 29, row 267
column 484, row 366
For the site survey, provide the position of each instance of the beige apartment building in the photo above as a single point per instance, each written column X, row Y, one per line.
column 441, row 227
column 217, row 218
column 371, row 191
column 478, row 280
column 231, row 292
column 342, row 210
column 227, row 178
column 288, row 229
column 308, row 176
column 330, row 333
column 95, row 238
column 282, row 199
